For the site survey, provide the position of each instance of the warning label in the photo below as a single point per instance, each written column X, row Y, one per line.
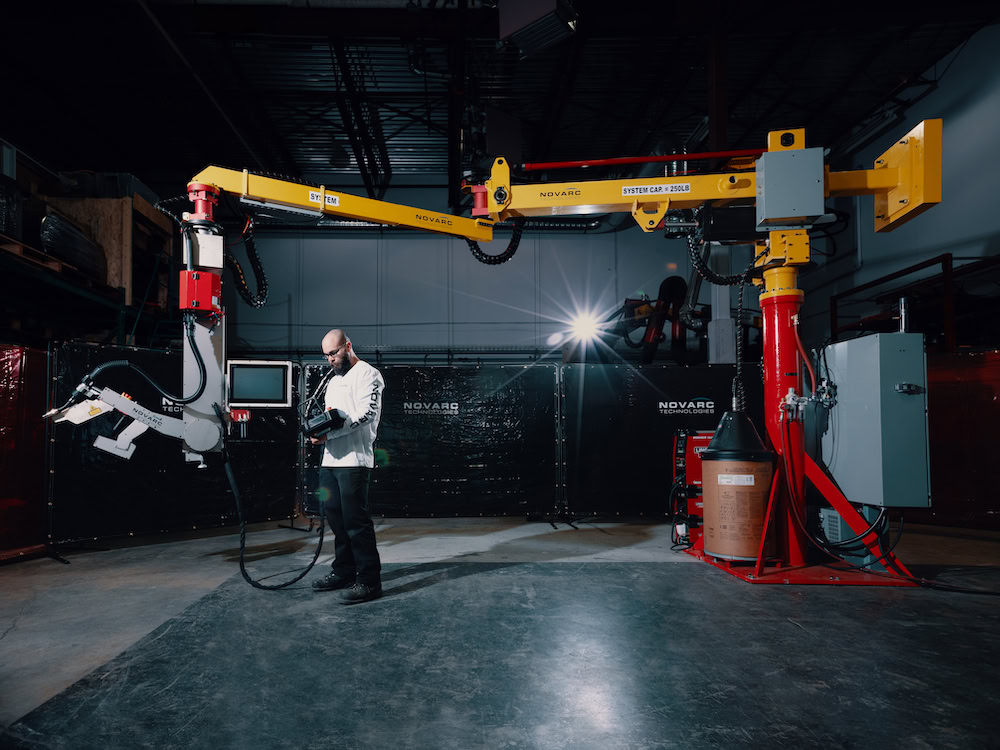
column 632, row 191
column 737, row 480
column 331, row 200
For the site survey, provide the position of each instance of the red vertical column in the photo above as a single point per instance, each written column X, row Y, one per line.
column 779, row 302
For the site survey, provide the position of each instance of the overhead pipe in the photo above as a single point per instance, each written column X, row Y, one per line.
column 618, row 161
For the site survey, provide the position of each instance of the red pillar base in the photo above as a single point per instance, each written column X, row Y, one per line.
column 834, row 574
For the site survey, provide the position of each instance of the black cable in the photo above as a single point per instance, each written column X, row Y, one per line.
column 180, row 401
column 852, row 543
column 159, row 206
column 628, row 341
column 703, row 269
column 865, row 566
column 792, row 495
column 789, row 474
column 833, row 246
column 739, row 391
column 243, row 524
column 495, row 260
column 305, row 407
column 678, row 542
column 927, row 583
column 260, row 299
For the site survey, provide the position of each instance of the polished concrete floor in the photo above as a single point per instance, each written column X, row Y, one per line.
column 493, row 634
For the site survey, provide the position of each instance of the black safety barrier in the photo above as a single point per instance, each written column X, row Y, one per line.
column 95, row 494
column 619, row 425
column 460, row 441
column 492, row 440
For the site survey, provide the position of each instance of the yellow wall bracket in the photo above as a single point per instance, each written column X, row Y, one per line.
column 917, row 156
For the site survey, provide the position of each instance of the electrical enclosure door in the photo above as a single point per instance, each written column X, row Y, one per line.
column 874, row 441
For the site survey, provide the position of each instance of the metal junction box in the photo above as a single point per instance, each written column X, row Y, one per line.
column 789, row 188
column 874, row 441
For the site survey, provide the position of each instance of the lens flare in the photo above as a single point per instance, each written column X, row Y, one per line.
column 584, row 327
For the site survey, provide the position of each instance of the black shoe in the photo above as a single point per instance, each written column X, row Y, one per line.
column 332, row 582
column 360, row 592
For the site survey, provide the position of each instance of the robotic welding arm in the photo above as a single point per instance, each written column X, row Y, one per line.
column 200, row 427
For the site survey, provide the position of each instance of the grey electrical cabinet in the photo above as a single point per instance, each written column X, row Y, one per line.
column 789, row 189
column 874, row 441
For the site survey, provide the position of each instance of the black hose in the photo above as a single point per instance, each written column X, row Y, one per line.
column 846, row 544
column 202, row 374
column 260, row 299
column 819, row 544
column 159, row 206
column 243, row 523
column 707, row 273
column 495, row 260
column 700, row 264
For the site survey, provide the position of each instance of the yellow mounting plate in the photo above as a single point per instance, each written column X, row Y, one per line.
column 917, row 156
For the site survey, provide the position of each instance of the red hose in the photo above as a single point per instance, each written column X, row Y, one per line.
column 534, row 166
column 805, row 358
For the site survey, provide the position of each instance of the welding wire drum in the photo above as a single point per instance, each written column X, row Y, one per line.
column 735, row 494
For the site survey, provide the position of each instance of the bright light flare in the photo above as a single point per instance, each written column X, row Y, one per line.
column 584, row 327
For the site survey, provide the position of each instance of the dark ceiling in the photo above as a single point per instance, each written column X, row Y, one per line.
column 420, row 92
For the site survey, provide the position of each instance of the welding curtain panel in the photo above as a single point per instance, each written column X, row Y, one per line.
column 96, row 494
column 22, row 447
column 460, row 441
column 620, row 421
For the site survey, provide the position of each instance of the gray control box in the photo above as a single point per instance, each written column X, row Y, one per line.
column 789, row 189
column 874, row 441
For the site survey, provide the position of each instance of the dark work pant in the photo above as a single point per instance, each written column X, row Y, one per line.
column 344, row 493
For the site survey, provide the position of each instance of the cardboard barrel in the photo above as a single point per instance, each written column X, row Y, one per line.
column 735, row 495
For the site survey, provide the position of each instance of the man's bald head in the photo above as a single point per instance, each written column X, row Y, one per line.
column 338, row 351
column 334, row 337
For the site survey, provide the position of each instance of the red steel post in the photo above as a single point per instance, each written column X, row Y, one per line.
column 779, row 302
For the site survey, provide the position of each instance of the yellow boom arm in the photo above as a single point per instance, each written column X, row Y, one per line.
column 268, row 191
column 905, row 180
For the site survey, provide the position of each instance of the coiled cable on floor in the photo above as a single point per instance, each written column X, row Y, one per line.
column 231, row 477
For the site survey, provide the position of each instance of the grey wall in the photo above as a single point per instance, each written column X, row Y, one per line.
column 966, row 223
column 392, row 288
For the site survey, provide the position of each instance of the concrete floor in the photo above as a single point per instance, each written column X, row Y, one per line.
column 59, row 623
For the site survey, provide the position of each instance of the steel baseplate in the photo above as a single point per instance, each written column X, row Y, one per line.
column 835, row 574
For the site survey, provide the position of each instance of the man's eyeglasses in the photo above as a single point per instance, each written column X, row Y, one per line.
column 334, row 352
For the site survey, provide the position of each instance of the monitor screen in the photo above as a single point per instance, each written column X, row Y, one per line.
column 259, row 383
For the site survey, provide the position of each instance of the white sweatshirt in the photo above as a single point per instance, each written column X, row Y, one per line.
column 358, row 394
